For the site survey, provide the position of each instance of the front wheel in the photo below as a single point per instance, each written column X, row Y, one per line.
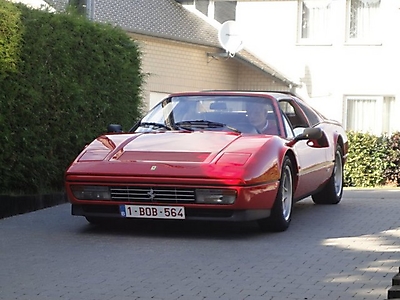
column 281, row 213
column 333, row 190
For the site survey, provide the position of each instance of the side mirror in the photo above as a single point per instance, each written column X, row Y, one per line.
column 114, row 128
column 307, row 134
column 310, row 134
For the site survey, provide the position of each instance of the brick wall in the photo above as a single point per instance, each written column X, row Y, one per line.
column 251, row 78
column 174, row 67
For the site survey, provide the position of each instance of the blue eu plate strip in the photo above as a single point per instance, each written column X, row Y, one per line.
column 122, row 210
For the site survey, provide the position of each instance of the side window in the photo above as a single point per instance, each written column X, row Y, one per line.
column 288, row 128
column 295, row 116
column 310, row 114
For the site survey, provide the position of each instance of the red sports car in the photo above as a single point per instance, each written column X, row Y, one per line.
column 213, row 155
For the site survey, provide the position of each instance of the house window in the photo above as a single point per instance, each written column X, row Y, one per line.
column 363, row 20
column 370, row 114
column 315, row 21
column 202, row 6
column 225, row 11
column 84, row 7
column 221, row 10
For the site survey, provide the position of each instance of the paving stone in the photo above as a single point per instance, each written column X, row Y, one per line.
column 345, row 251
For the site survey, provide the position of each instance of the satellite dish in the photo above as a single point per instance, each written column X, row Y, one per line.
column 230, row 37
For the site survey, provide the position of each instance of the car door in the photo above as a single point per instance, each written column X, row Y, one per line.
column 312, row 159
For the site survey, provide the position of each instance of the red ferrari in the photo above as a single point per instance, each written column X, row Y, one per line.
column 213, row 155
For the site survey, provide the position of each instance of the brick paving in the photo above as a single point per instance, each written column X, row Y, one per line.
column 345, row 251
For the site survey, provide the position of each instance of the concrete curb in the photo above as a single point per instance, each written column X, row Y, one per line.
column 15, row 205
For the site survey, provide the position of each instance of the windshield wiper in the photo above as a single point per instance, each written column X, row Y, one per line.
column 154, row 124
column 204, row 124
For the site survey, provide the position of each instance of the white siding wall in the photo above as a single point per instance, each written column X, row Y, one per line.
column 328, row 72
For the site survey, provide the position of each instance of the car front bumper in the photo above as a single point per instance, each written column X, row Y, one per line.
column 201, row 214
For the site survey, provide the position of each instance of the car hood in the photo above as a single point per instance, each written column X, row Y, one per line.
column 169, row 154
column 158, row 147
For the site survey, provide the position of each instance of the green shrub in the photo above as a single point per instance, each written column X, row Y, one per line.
column 367, row 160
column 72, row 77
column 392, row 172
column 11, row 31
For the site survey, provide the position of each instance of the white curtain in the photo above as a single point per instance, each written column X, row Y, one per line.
column 370, row 2
column 316, row 19
column 388, row 114
column 318, row 3
column 375, row 115
column 364, row 19
column 361, row 115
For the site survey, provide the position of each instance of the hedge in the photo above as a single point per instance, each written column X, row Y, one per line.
column 372, row 160
column 10, row 37
column 64, row 79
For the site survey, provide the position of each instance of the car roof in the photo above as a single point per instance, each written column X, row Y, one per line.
column 275, row 94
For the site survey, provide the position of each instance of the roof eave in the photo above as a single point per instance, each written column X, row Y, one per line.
column 168, row 37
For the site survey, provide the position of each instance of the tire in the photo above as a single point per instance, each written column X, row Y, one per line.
column 281, row 213
column 332, row 192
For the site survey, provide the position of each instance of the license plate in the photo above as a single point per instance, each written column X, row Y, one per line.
column 154, row 212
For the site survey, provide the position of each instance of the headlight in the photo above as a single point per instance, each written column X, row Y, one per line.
column 215, row 196
column 83, row 192
column 233, row 159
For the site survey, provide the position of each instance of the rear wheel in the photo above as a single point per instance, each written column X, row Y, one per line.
column 333, row 190
column 281, row 213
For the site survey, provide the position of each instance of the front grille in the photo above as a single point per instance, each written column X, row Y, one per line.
column 152, row 195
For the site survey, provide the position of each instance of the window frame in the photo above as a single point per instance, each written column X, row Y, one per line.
column 213, row 8
column 384, row 123
column 322, row 39
column 296, row 113
column 373, row 38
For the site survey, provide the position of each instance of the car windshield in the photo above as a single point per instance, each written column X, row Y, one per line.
column 242, row 114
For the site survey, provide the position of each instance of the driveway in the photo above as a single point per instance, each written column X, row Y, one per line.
column 345, row 251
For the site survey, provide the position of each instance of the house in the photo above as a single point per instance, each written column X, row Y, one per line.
column 343, row 52
column 339, row 55
column 180, row 47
